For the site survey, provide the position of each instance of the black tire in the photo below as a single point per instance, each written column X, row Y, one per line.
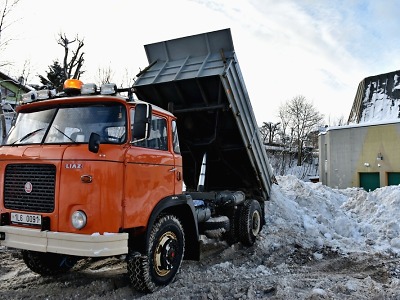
column 250, row 222
column 232, row 236
column 48, row 264
column 220, row 222
column 216, row 227
column 162, row 260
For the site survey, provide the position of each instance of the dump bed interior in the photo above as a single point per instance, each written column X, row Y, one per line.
column 199, row 80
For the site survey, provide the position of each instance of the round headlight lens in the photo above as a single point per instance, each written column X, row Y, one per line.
column 79, row 219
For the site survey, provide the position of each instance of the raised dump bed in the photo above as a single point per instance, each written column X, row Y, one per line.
column 198, row 78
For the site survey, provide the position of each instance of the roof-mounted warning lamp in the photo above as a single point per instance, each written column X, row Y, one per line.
column 72, row 86
column 108, row 89
column 75, row 87
column 89, row 89
column 29, row 97
column 38, row 95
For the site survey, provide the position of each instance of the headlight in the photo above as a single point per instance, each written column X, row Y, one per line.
column 79, row 219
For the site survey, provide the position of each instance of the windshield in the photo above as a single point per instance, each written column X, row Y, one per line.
column 70, row 125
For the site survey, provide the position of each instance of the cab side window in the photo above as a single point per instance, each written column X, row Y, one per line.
column 175, row 141
column 158, row 138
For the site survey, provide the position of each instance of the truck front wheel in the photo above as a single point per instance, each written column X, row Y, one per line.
column 47, row 264
column 163, row 257
column 250, row 222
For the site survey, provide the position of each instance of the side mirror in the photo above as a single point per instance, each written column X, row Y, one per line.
column 94, row 142
column 142, row 119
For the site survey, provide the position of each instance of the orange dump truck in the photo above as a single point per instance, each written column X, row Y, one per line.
column 139, row 172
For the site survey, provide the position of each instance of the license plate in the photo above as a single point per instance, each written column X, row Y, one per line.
column 26, row 219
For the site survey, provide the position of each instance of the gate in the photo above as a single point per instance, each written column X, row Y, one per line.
column 369, row 181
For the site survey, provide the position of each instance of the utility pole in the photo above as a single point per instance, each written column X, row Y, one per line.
column 2, row 119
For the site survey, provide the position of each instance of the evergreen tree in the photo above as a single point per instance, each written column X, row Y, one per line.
column 54, row 77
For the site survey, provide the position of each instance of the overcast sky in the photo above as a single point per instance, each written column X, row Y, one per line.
column 320, row 49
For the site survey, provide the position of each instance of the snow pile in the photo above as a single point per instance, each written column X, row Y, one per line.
column 311, row 215
column 378, row 215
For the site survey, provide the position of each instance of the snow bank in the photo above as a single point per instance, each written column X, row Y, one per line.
column 311, row 215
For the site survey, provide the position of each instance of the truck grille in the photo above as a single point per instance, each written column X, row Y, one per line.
column 30, row 187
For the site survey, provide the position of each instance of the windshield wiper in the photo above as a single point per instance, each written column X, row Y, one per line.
column 63, row 134
column 27, row 135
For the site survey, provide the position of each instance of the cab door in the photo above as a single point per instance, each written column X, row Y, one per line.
column 178, row 158
column 150, row 173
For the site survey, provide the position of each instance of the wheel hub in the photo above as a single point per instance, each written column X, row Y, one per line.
column 165, row 254
column 256, row 223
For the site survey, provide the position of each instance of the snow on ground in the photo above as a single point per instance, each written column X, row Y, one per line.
column 319, row 243
column 349, row 220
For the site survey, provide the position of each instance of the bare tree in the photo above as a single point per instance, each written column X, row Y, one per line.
column 6, row 8
column 286, row 139
column 302, row 118
column 285, row 119
column 264, row 132
column 269, row 131
column 25, row 73
column 72, row 65
column 128, row 79
column 104, row 75
column 337, row 121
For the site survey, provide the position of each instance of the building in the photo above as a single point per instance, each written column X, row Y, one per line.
column 11, row 89
column 365, row 153
column 362, row 155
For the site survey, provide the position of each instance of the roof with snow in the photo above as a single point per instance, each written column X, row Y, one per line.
column 4, row 78
column 377, row 99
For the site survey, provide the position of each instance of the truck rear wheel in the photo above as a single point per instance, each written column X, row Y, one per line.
column 163, row 257
column 47, row 264
column 232, row 236
column 250, row 222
